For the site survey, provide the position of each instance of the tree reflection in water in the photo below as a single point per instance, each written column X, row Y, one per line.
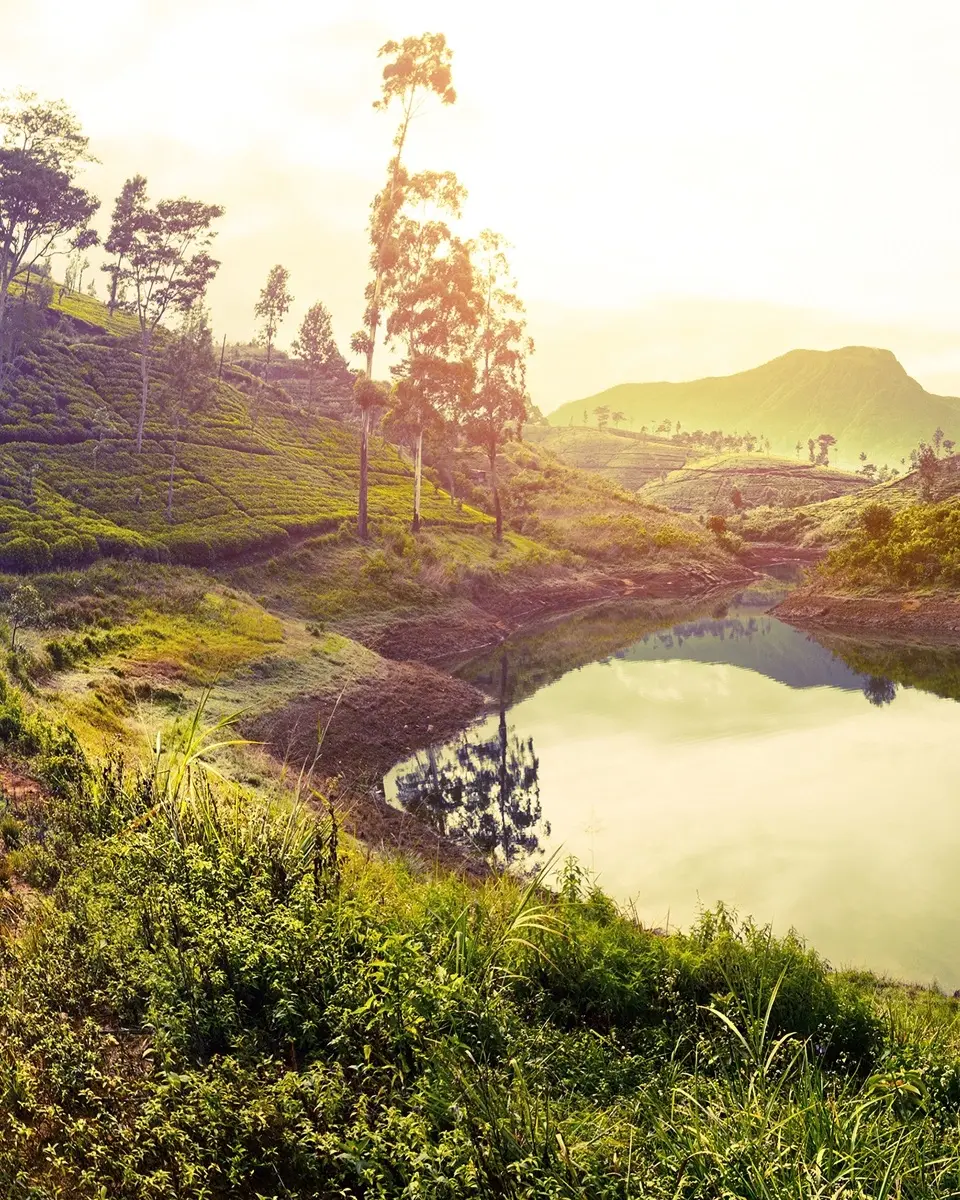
column 482, row 792
column 879, row 691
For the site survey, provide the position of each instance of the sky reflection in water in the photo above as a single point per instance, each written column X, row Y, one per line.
column 732, row 759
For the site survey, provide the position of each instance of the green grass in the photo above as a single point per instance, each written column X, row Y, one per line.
column 72, row 488
column 207, row 995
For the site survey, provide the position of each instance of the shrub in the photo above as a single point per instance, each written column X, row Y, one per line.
column 68, row 550
column 717, row 525
column 60, row 654
column 11, row 831
column 35, row 864
column 188, row 547
column 917, row 546
column 877, row 520
column 25, row 554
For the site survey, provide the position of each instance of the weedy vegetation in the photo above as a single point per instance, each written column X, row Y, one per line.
column 211, row 993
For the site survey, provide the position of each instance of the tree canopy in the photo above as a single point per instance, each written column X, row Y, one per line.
column 43, row 147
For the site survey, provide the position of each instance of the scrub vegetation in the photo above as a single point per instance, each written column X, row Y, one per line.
column 917, row 547
column 215, row 980
column 211, row 993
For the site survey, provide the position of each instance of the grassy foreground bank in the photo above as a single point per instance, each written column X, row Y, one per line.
column 207, row 994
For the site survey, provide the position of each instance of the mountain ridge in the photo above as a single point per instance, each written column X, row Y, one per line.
column 861, row 394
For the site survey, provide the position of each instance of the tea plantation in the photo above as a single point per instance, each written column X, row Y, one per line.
column 72, row 487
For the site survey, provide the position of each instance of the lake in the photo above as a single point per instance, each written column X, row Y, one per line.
column 724, row 757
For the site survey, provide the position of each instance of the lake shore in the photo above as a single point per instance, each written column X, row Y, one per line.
column 931, row 617
column 411, row 699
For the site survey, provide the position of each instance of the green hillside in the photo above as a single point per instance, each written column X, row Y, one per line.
column 861, row 395
column 623, row 457
column 72, row 488
column 829, row 522
column 712, row 484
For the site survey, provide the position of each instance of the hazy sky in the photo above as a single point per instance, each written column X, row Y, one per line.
column 690, row 187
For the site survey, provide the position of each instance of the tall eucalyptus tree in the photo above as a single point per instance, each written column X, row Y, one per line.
column 417, row 69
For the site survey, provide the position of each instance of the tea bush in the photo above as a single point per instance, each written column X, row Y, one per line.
column 72, row 488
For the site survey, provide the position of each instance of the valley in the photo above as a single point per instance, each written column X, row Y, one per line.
column 405, row 794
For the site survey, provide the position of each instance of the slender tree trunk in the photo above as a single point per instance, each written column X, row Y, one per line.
column 417, row 478
column 173, row 467
column 502, row 730
column 372, row 331
column 260, row 389
column 144, row 383
column 497, row 511
column 114, row 283
column 4, row 293
column 223, row 348
column 362, row 506
column 7, row 272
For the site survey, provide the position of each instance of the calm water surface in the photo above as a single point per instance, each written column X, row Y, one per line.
column 725, row 758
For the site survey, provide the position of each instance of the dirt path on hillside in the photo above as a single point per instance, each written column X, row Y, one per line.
column 19, row 788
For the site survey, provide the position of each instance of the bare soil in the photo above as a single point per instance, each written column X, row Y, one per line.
column 349, row 739
column 932, row 617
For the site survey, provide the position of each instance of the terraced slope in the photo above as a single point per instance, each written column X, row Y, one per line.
column 830, row 521
column 623, row 457
column 72, row 487
column 726, row 482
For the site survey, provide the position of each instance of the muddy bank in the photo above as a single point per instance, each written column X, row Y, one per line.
column 348, row 739
column 375, row 720
column 927, row 617
column 766, row 556
column 470, row 625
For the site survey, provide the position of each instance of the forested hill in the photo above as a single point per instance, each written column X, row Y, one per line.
column 860, row 395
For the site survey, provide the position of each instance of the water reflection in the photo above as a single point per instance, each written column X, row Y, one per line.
column 880, row 691
column 754, row 641
column 480, row 791
column 934, row 669
column 725, row 756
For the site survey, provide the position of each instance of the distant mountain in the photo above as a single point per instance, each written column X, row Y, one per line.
column 861, row 395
